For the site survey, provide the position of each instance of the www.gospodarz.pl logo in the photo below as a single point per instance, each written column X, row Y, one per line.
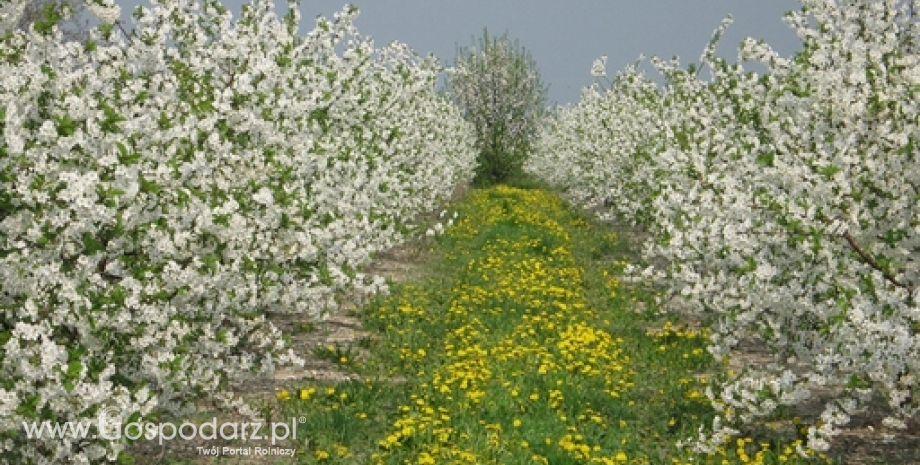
column 109, row 427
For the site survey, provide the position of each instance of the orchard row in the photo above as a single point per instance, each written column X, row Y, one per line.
column 787, row 205
column 163, row 190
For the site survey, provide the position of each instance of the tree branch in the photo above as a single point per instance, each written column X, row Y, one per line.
column 124, row 33
column 871, row 262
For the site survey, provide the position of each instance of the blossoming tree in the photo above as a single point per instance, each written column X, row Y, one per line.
column 786, row 205
column 499, row 89
column 162, row 191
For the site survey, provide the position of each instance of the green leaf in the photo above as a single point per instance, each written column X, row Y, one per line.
column 210, row 262
column 164, row 122
column 74, row 368
column 29, row 408
column 91, row 244
column 766, row 159
column 150, row 186
column 134, row 417
column 66, row 126
column 828, row 171
column 858, row 382
column 223, row 219
column 118, row 295
column 749, row 266
column 112, row 118
column 126, row 157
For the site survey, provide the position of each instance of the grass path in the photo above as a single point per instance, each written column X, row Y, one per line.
column 521, row 347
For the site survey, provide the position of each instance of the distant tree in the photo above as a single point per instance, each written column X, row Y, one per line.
column 499, row 89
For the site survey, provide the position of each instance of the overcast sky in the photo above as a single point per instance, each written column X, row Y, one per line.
column 564, row 36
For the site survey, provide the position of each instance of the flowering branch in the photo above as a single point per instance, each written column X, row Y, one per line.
column 870, row 261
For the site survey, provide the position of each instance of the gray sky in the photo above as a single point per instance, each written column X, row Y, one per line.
column 564, row 37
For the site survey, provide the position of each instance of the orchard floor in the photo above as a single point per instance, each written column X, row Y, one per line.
column 512, row 339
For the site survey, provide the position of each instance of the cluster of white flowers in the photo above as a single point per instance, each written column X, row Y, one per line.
column 599, row 67
column 599, row 150
column 161, row 193
column 787, row 205
column 107, row 11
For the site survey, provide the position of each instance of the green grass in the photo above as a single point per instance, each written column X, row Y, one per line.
column 521, row 346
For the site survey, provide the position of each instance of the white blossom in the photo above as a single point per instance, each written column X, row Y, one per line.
column 141, row 210
column 779, row 202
